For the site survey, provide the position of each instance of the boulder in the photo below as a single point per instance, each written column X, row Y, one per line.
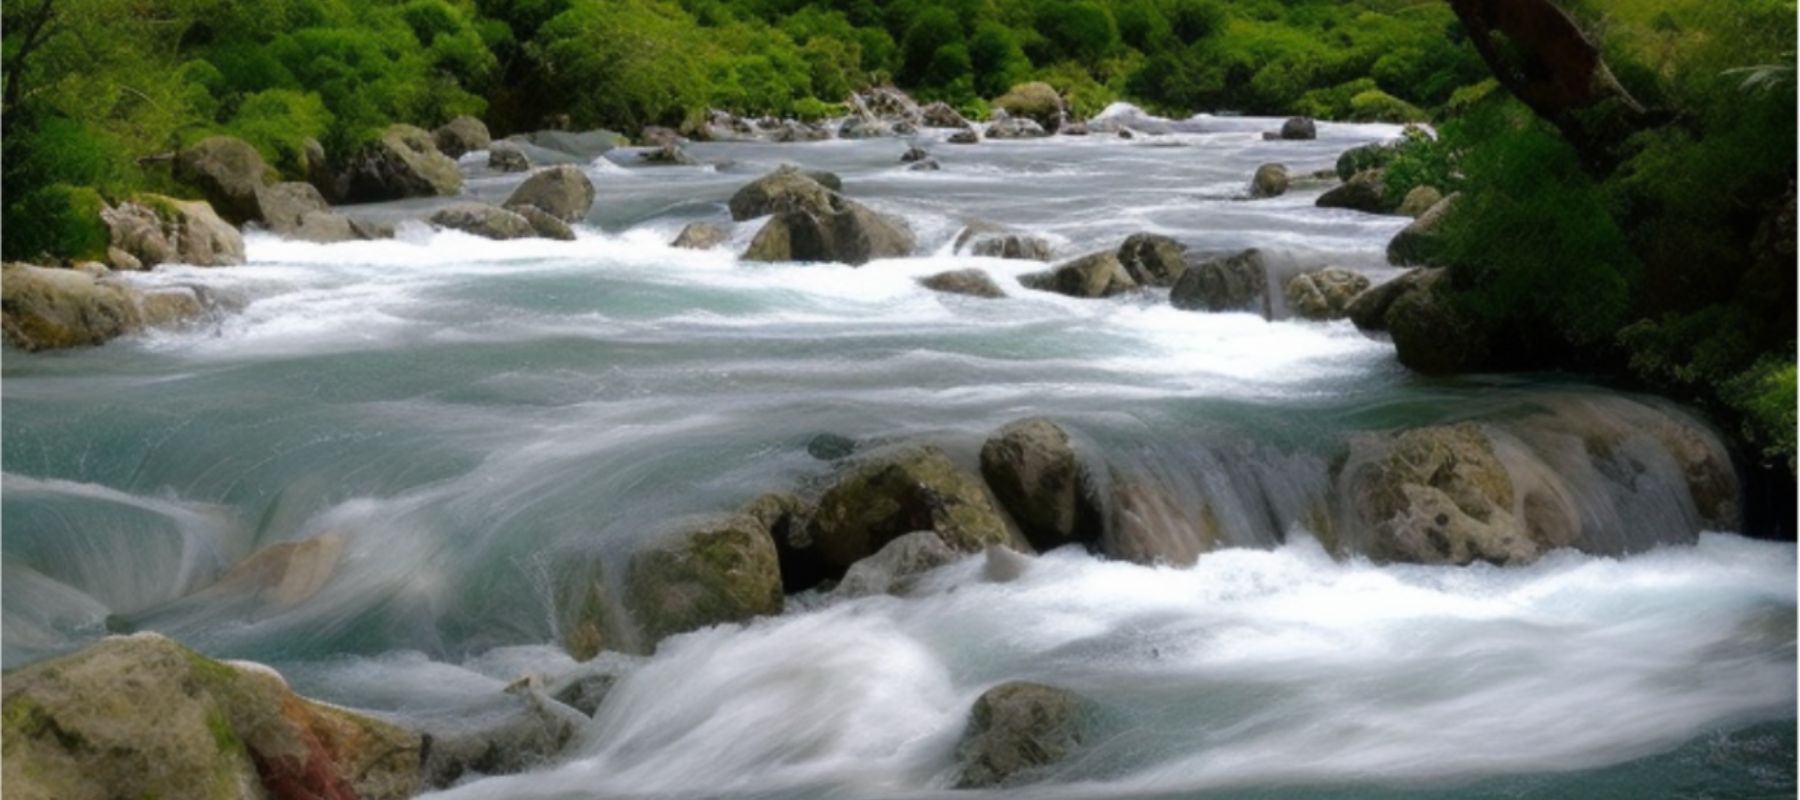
column 46, row 309
column 712, row 571
column 1153, row 259
column 791, row 130
column 1036, row 101
column 154, row 229
column 1324, row 294
column 882, row 497
column 1370, row 308
column 992, row 241
column 894, row 568
column 658, row 136
column 319, row 171
column 886, row 103
column 1365, row 191
column 1014, row 128
column 1073, row 129
column 701, row 236
column 971, row 282
column 849, row 233
column 228, row 172
column 668, row 155
column 1270, row 180
column 866, row 128
column 464, row 134
column 1418, row 201
column 562, row 191
column 1434, row 334
column 1228, row 283
column 788, row 188
column 1034, row 473
column 543, row 222
column 941, row 115
column 1422, row 241
column 1299, row 128
column 142, row 716
column 1438, row 495
column 282, row 207
column 964, row 137
column 913, row 154
column 403, row 162
column 481, row 219
column 1364, row 157
column 1093, row 275
column 325, row 227
column 507, row 157
column 1016, row 728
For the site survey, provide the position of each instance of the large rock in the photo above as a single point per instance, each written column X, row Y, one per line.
column 992, row 241
column 972, row 282
column 712, row 571
column 282, row 207
column 701, row 236
column 886, row 103
column 880, row 498
column 1299, row 128
column 1033, row 472
column 1433, row 333
column 320, row 172
column 543, row 222
column 1013, row 128
column 507, row 157
column 403, row 162
column 896, row 566
column 1440, row 495
column 1370, row 308
column 941, row 115
column 1017, row 728
column 142, row 716
column 1422, row 241
column 788, row 188
column 1228, row 283
column 1419, row 200
column 969, row 136
column 849, row 233
column 464, row 134
column 154, row 229
column 481, row 219
column 793, row 130
column 562, row 191
column 1324, row 294
column 1270, row 180
column 228, row 172
column 1150, row 526
column 1365, row 191
column 1036, row 101
column 866, row 128
column 1093, row 275
column 1153, row 259
column 46, row 308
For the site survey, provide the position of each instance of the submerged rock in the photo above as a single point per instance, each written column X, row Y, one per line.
column 1324, row 294
column 1270, row 180
column 464, row 134
column 1229, row 283
column 993, row 241
column 582, row 146
column 712, row 571
column 1153, row 259
column 701, row 236
column 403, row 162
column 1150, row 527
column 228, row 172
column 283, row 575
column 1017, row 728
column 1034, row 473
column 972, row 282
column 562, row 191
column 1093, row 275
column 928, row 165
column 913, row 154
column 481, row 219
column 885, row 496
column 142, row 716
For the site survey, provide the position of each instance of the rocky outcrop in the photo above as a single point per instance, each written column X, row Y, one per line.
column 1093, row 275
column 1299, row 128
column 866, row 128
column 896, row 566
column 701, row 236
column 228, row 172
column 1365, row 191
column 1036, row 101
column 879, row 498
column 1422, row 241
column 507, row 157
column 972, row 282
column 543, row 222
column 941, row 115
column 481, row 219
column 1228, row 283
column 1153, row 259
column 152, row 229
column 1440, row 495
column 403, row 162
column 1324, row 294
column 142, row 716
column 45, row 309
column 1014, row 128
column 464, row 134
column 711, row 571
column 1017, row 728
column 319, row 170
column 563, row 192
column 1034, row 473
column 812, row 222
column 1270, row 180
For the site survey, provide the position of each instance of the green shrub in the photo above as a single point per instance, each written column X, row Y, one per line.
column 278, row 122
column 1375, row 105
column 1764, row 396
column 59, row 222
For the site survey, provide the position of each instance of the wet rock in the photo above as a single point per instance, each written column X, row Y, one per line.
column 481, row 219
column 585, row 688
column 1150, row 527
column 941, row 115
column 1017, row 728
column 914, row 154
column 1422, row 241
column 894, row 568
column 461, row 135
column 886, row 103
column 1153, row 259
column 668, row 155
column 517, row 731
column 964, row 137
column 1435, row 335
column 712, row 571
column 1126, row 134
column 1093, row 275
column 788, row 188
column 1363, row 158
column 507, row 157
column 1073, row 129
column 1036, row 101
column 928, row 165
column 228, row 172
column 882, row 497
column 283, row 575
column 1324, row 294
column 796, row 131
column 1418, row 201
column 1370, row 308
column 1439, row 495
column 46, row 309
column 701, row 236
column 1015, row 128
column 992, row 241
column 658, row 136
column 971, row 282
column 154, row 229
column 830, row 447
column 1270, row 180
column 1229, row 283
column 403, row 162
column 543, row 223
column 1034, row 473
column 581, row 146
column 142, row 716
column 1366, row 191
column 325, row 227
column 866, row 128
column 1299, row 128
column 849, row 233
column 282, row 207
column 562, row 191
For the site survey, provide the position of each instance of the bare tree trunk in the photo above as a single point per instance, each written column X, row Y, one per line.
column 1540, row 55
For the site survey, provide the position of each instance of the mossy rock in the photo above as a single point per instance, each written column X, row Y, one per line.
column 1034, row 473
column 1439, row 495
column 1036, row 101
column 1017, row 729
column 1093, row 275
column 882, row 497
column 712, row 571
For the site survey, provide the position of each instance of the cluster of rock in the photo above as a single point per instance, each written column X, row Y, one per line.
column 809, row 219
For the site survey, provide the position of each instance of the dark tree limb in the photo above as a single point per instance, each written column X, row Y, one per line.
column 1539, row 54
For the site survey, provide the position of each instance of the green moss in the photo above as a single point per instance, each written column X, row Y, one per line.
column 223, row 734
column 24, row 718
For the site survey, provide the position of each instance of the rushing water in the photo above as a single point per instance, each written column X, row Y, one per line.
column 463, row 416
